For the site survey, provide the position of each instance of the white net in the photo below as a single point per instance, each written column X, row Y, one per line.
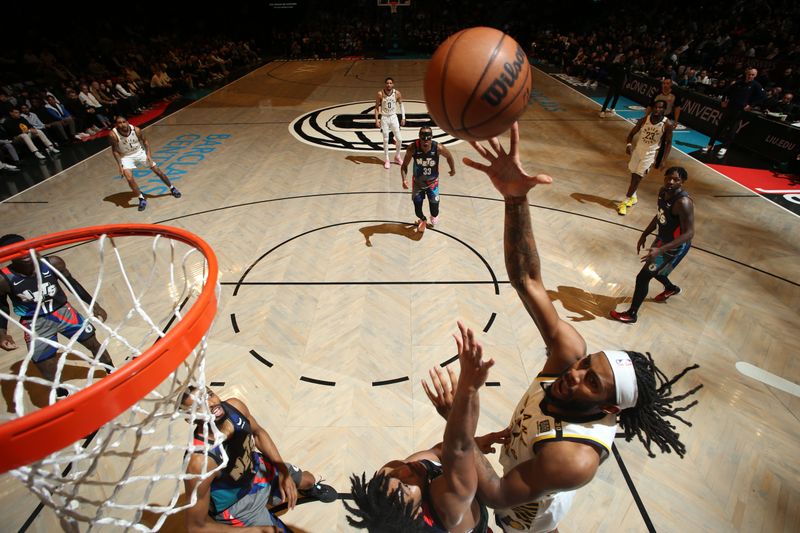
column 130, row 473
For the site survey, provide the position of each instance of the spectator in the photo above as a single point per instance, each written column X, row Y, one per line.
column 34, row 120
column 60, row 114
column 672, row 101
column 20, row 129
column 739, row 97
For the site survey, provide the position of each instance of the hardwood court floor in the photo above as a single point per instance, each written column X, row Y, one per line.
column 341, row 292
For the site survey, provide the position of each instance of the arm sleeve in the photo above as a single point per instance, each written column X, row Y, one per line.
column 82, row 293
column 4, row 308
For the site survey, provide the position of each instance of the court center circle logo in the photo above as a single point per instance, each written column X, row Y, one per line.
column 351, row 127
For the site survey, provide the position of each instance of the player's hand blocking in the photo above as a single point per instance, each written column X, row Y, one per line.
column 474, row 370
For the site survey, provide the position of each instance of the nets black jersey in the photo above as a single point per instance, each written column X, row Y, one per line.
column 669, row 225
column 26, row 293
column 426, row 165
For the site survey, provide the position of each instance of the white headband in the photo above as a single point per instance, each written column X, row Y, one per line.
column 624, row 378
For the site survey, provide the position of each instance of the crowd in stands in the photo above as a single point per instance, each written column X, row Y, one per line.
column 70, row 85
column 703, row 47
column 55, row 94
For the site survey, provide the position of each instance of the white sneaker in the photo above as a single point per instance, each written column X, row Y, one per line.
column 53, row 150
column 387, row 165
column 706, row 149
column 602, row 114
column 433, row 221
column 39, row 155
column 722, row 152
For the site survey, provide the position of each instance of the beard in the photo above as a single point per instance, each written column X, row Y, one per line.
column 569, row 406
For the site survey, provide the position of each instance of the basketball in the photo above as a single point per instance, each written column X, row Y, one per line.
column 477, row 84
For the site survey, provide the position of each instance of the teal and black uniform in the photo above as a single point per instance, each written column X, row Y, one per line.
column 426, row 179
column 668, row 229
column 55, row 316
column 242, row 490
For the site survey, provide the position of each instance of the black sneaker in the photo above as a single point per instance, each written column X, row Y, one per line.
column 175, row 192
column 322, row 492
column 664, row 296
column 142, row 204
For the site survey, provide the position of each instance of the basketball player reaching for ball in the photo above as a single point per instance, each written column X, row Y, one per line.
column 131, row 150
column 434, row 490
column 386, row 105
column 425, row 153
column 19, row 282
column 653, row 146
column 564, row 425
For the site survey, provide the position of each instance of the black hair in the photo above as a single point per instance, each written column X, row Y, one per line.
column 10, row 238
column 682, row 174
column 388, row 78
column 188, row 393
column 648, row 418
column 379, row 510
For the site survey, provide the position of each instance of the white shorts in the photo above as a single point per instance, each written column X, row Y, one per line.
column 388, row 123
column 137, row 159
column 536, row 517
column 641, row 162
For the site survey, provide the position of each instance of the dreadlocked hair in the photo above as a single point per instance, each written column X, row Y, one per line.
column 379, row 510
column 648, row 419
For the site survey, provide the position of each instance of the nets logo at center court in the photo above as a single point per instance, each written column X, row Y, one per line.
column 351, row 127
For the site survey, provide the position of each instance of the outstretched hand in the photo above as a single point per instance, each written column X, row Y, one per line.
column 441, row 390
column 505, row 169
column 474, row 370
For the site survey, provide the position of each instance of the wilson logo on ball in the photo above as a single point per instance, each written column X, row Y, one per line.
column 477, row 84
column 505, row 81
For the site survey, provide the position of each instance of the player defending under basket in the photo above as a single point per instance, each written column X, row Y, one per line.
column 44, row 309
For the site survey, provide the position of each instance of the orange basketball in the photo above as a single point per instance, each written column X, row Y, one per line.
column 478, row 83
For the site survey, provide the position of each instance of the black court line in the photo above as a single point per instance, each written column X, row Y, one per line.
column 390, row 381
column 491, row 319
column 454, row 358
column 318, row 381
column 217, row 384
column 634, row 492
column 536, row 206
column 260, row 358
column 339, row 224
column 234, row 323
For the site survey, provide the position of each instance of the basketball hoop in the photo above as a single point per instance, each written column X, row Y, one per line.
column 394, row 4
column 133, row 411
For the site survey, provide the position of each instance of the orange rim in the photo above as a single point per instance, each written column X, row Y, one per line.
column 56, row 426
